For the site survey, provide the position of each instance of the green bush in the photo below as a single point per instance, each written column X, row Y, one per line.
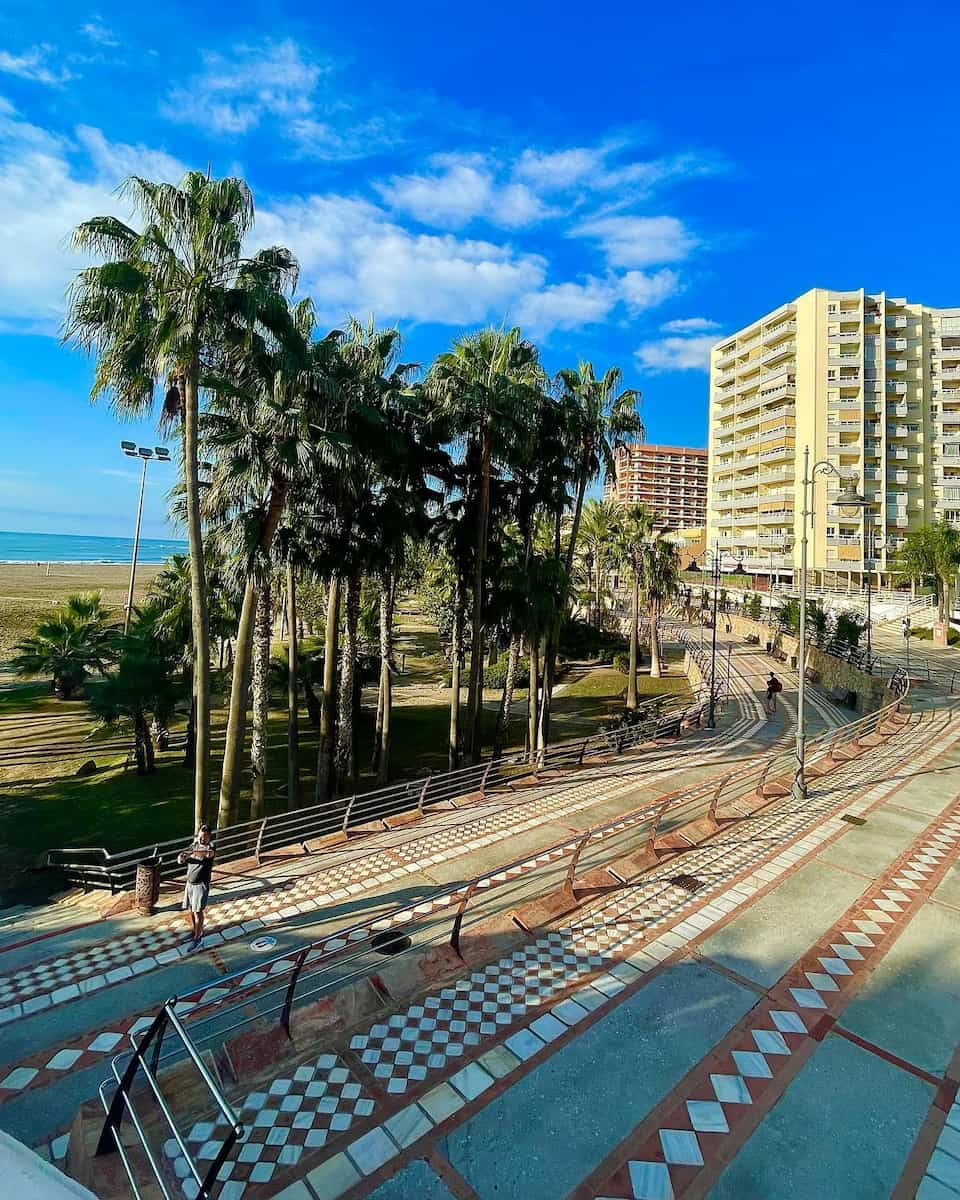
column 496, row 676
column 579, row 641
column 621, row 661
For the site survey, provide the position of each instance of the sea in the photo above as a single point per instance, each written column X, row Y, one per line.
column 78, row 548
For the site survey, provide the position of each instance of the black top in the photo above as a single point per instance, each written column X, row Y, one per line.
column 199, row 869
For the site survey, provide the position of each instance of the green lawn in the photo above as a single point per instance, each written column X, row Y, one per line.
column 46, row 806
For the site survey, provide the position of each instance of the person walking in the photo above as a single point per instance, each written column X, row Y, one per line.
column 196, row 892
column 773, row 687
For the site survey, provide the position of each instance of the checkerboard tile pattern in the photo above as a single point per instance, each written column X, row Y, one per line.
column 440, row 1030
column 47, row 984
column 447, row 1031
column 755, row 1063
column 296, row 1114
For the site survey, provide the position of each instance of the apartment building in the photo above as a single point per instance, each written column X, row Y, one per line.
column 670, row 480
column 871, row 383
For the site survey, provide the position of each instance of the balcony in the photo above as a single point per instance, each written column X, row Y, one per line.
column 782, row 517
column 781, row 351
column 840, row 425
column 845, row 335
column 844, row 360
column 896, row 343
column 950, row 373
column 779, row 331
column 896, row 322
column 843, row 314
column 894, row 385
column 899, row 431
column 776, row 452
column 896, row 364
column 950, row 351
column 898, row 410
column 841, row 540
column 899, row 452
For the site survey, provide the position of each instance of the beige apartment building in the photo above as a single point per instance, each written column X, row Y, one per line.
column 670, row 480
column 871, row 383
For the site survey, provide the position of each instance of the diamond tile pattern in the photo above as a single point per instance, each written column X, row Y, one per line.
column 295, row 1114
column 763, row 1050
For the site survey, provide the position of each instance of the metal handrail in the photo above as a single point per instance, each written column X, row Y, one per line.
column 329, row 819
column 134, row 1064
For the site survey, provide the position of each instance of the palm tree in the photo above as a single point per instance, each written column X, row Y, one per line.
column 144, row 682
column 158, row 308
column 77, row 639
column 603, row 417
column 931, row 552
column 264, row 432
column 660, row 571
column 636, row 526
column 482, row 387
column 599, row 532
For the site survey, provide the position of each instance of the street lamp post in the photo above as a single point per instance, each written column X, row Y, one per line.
column 132, row 450
column 716, row 568
column 849, row 499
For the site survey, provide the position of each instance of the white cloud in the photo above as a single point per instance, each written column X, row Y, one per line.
column 115, row 160
column 634, row 241
column 564, row 306
column 559, row 169
column 677, row 353
column 235, row 93
column 595, row 168
column 96, row 31
column 48, row 185
column 464, row 188
column 34, row 65
column 355, row 258
column 641, row 289
column 689, row 325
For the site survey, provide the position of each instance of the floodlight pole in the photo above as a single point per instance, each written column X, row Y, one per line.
column 145, row 455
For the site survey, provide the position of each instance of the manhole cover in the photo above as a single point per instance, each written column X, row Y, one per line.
column 391, row 941
column 689, row 883
column 852, row 820
column 260, row 944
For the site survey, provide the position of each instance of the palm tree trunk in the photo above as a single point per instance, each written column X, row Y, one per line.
column 655, row 671
column 475, row 687
column 237, row 713
column 198, row 594
column 190, row 750
column 506, row 700
column 456, row 656
column 346, row 747
column 598, row 583
column 634, row 640
column 261, row 701
column 386, row 680
column 140, row 735
column 293, row 692
column 533, row 715
column 328, row 705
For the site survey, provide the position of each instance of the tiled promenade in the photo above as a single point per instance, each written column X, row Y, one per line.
column 668, row 1043
column 635, row 1048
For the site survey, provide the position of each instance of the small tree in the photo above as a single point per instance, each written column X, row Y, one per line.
column 145, row 683
column 931, row 552
column 77, row 640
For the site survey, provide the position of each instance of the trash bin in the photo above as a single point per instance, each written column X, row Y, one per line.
column 148, row 885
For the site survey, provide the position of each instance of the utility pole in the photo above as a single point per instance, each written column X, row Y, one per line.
column 132, row 450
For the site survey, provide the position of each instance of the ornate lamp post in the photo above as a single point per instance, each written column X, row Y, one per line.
column 849, row 500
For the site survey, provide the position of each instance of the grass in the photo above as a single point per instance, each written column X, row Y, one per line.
column 926, row 635
column 47, row 805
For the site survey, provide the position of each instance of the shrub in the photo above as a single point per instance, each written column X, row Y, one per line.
column 579, row 640
column 849, row 626
column 621, row 661
column 496, row 676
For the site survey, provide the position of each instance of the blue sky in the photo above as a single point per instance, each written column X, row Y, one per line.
column 627, row 183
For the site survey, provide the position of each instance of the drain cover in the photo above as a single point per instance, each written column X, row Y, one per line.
column 852, row 820
column 260, row 944
column 391, row 941
column 689, row 883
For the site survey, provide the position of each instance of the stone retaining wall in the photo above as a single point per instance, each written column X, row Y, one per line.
column 872, row 692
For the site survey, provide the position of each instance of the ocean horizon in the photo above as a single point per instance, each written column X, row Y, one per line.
column 81, row 548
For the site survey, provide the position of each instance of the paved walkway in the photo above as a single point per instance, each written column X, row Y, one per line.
column 774, row 1014
column 69, row 997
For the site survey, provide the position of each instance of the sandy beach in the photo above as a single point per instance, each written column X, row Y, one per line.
column 27, row 590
